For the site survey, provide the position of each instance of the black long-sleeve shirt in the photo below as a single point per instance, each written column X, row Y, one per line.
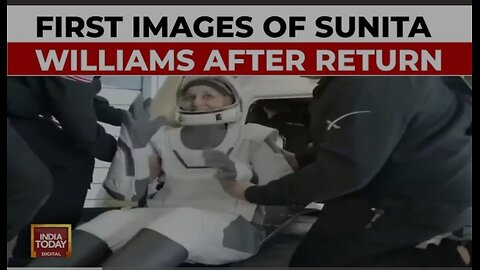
column 106, row 113
column 72, row 102
column 383, row 137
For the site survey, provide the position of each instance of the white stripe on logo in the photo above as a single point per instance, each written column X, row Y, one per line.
column 333, row 123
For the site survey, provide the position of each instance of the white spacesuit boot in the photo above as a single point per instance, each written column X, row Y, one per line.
column 148, row 250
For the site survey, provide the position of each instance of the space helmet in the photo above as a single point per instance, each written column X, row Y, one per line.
column 224, row 85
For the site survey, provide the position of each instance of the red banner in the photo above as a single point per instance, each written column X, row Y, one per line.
column 239, row 58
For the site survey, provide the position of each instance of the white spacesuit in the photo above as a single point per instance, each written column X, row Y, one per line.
column 191, row 212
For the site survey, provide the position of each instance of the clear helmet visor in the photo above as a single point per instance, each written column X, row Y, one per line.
column 203, row 99
column 211, row 99
column 206, row 94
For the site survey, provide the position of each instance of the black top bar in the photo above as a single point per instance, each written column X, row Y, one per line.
column 240, row 2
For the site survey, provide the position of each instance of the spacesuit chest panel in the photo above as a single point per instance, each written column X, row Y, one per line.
column 189, row 183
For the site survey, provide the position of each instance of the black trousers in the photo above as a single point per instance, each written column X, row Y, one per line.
column 71, row 172
column 29, row 183
column 344, row 236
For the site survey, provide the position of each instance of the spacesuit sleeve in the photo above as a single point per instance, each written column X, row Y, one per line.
column 130, row 175
column 268, row 160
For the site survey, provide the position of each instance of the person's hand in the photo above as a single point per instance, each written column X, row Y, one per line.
column 233, row 176
column 138, row 122
column 465, row 255
column 236, row 189
column 227, row 169
column 291, row 159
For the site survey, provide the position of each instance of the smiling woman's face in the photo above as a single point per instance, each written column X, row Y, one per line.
column 202, row 98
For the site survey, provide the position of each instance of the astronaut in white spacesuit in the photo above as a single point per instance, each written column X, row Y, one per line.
column 192, row 217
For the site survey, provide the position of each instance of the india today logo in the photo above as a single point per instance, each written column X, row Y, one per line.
column 51, row 240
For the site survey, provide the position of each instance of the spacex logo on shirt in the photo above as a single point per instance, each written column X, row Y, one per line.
column 333, row 124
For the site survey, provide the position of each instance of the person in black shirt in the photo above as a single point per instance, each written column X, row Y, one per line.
column 29, row 182
column 58, row 118
column 400, row 146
